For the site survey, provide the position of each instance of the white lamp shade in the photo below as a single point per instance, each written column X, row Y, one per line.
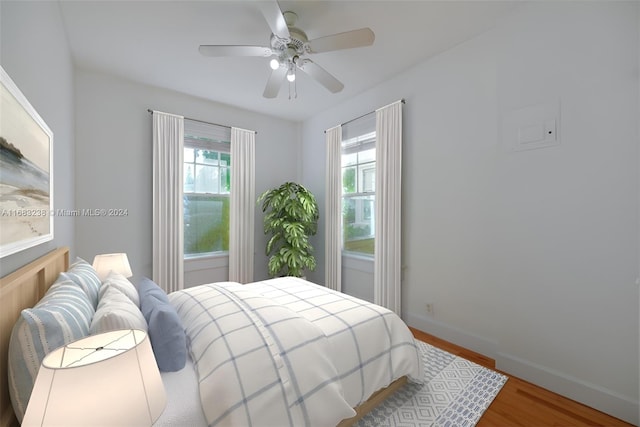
column 109, row 379
column 105, row 263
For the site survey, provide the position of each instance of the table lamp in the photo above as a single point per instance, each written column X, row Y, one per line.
column 109, row 379
column 105, row 263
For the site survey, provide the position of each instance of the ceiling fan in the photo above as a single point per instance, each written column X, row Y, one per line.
column 289, row 48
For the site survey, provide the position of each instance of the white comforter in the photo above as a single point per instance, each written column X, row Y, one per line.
column 288, row 352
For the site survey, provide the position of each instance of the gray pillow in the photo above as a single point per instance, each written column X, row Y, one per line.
column 168, row 339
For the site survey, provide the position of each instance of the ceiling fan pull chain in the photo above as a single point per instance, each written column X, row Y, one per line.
column 295, row 90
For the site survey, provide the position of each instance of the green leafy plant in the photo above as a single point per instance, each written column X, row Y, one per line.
column 291, row 217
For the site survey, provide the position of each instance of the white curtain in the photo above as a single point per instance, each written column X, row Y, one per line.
column 333, row 215
column 168, row 236
column 388, row 263
column 242, row 207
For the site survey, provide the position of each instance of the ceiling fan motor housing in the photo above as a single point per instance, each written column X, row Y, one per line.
column 289, row 49
column 296, row 41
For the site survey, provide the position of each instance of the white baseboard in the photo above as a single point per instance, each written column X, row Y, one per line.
column 584, row 392
column 589, row 394
column 451, row 334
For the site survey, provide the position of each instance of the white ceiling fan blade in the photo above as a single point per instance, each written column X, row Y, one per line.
column 321, row 75
column 275, row 82
column 275, row 18
column 230, row 50
column 346, row 40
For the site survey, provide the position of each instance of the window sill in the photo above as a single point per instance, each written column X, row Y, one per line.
column 206, row 262
column 358, row 256
column 355, row 261
column 210, row 255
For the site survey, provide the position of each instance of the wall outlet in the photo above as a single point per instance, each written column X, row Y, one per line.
column 429, row 308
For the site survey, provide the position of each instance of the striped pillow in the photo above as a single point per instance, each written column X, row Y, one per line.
column 116, row 311
column 84, row 275
column 121, row 283
column 62, row 316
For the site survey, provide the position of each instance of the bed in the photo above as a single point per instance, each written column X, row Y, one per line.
column 301, row 322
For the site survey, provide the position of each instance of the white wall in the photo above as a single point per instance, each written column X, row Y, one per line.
column 34, row 52
column 530, row 257
column 114, row 164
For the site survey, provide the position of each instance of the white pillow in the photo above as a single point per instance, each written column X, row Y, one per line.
column 116, row 311
column 121, row 283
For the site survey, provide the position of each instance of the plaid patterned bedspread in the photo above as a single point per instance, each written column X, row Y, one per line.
column 371, row 346
column 286, row 352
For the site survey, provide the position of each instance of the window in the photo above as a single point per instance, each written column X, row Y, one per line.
column 206, row 185
column 358, row 187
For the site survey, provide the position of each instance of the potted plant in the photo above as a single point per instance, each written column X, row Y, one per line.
column 291, row 217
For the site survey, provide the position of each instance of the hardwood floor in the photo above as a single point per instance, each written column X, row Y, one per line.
column 521, row 403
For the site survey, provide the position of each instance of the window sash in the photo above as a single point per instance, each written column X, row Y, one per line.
column 222, row 174
column 207, row 233
column 358, row 224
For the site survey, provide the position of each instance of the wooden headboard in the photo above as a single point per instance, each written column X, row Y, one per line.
column 19, row 290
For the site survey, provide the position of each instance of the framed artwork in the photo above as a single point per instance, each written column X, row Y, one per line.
column 26, row 172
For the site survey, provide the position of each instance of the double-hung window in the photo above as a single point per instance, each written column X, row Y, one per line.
column 358, row 186
column 207, row 186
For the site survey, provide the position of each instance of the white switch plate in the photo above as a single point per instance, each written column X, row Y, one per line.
column 531, row 127
column 531, row 134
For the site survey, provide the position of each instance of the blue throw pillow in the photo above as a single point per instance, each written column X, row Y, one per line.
column 148, row 289
column 168, row 339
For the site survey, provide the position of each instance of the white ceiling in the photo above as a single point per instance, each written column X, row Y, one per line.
column 156, row 42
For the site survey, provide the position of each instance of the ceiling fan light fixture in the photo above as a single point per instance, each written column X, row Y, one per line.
column 291, row 73
column 274, row 64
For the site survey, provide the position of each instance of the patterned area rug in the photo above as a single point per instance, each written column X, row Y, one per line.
column 456, row 393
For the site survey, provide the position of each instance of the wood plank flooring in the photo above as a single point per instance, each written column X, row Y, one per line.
column 522, row 404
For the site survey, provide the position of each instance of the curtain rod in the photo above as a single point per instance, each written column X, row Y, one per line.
column 365, row 114
column 202, row 121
